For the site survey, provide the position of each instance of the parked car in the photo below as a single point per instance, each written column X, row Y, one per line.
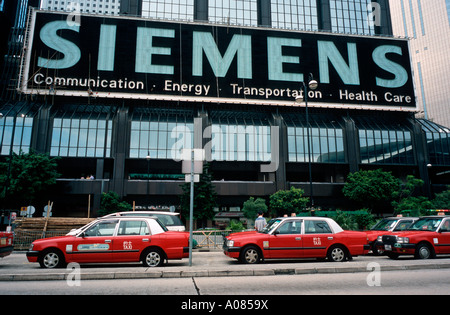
column 170, row 219
column 425, row 238
column 296, row 237
column 387, row 226
column 6, row 244
column 114, row 239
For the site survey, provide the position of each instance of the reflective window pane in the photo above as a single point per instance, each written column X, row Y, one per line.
column 384, row 143
column 76, row 137
column 160, row 135
column 295, row 14
column 15, row 134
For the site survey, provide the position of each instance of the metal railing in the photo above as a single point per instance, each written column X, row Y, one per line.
column 211, row 239
column 23, row 239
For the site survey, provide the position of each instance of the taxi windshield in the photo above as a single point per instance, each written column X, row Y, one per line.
column 271, row 225
column 426, row 224
column 384, row 225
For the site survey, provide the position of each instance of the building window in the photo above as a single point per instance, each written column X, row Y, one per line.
column 295, row 14
column 438, row 142
column 160, row 136
column 447, row 4
column 240, row 137
column 326, row 140
column 233, row 12
column 77, row 137
column 19, row 136
column 351, row 16
column 169, row 9
column 381, row 143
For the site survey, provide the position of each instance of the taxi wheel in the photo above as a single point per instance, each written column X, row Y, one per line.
column 337, row 254
column 153, row 257
column 51, row 258
column 250, row 255
column 423, row 251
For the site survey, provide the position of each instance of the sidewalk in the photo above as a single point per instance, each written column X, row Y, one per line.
column 209, row 264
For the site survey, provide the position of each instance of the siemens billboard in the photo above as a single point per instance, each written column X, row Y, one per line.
column 121, row 57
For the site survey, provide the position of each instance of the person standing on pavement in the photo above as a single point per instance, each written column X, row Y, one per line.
column 260, row 222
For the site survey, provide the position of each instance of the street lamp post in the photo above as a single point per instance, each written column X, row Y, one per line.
column 312, row 85
column 148, row 179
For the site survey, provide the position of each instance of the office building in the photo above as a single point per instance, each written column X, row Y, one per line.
column 427, row 25
column 106, row 7
column 227, row 76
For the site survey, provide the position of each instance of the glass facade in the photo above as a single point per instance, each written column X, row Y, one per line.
column 344, row 16
column 295, row 14
column 426, row 24
column 233, row 12
column 15, row 134
column 169, row 9
column 351, row 16
column 326, row 140
column 82, row 133
column 84, row 6
column 382, row 143
column 438, row 142
column 240, row 137
column 160, row 135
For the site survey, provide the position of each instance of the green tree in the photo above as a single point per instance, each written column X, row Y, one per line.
column 205, row 197
column 442, row 200
column 26, row 178
column 287, row 201
column 405, row 200
column 364, row 219
column 407, row 189
column 345, row 220
column 417, row 206
column 252, row 207
column 110, row 203
column 371, row 188
column 235, row 226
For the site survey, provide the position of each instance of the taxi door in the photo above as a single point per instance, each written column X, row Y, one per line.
column 317, row 238
column 94, row 244
column 132, row 237
column 443, row 246
column 286, row 241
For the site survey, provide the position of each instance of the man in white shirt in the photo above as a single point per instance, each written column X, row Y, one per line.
column 260, row 222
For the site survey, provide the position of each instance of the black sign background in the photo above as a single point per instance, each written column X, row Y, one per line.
column 154, row 86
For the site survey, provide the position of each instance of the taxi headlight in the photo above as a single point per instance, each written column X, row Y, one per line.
column 403, row 240
column 31, row 247
column 380, row 238
column 230, row 243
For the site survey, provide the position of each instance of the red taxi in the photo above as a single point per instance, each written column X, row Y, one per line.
column 6, row 244
column 425, row 238
column 384, row 227
column 296, row 237
column 123, row 239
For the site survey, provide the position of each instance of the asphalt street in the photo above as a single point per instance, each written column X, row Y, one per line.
column 209, row 264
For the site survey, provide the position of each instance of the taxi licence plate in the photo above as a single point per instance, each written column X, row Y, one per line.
column 387, row 247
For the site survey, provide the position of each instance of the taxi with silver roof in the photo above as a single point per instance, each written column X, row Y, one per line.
column 115, row 239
